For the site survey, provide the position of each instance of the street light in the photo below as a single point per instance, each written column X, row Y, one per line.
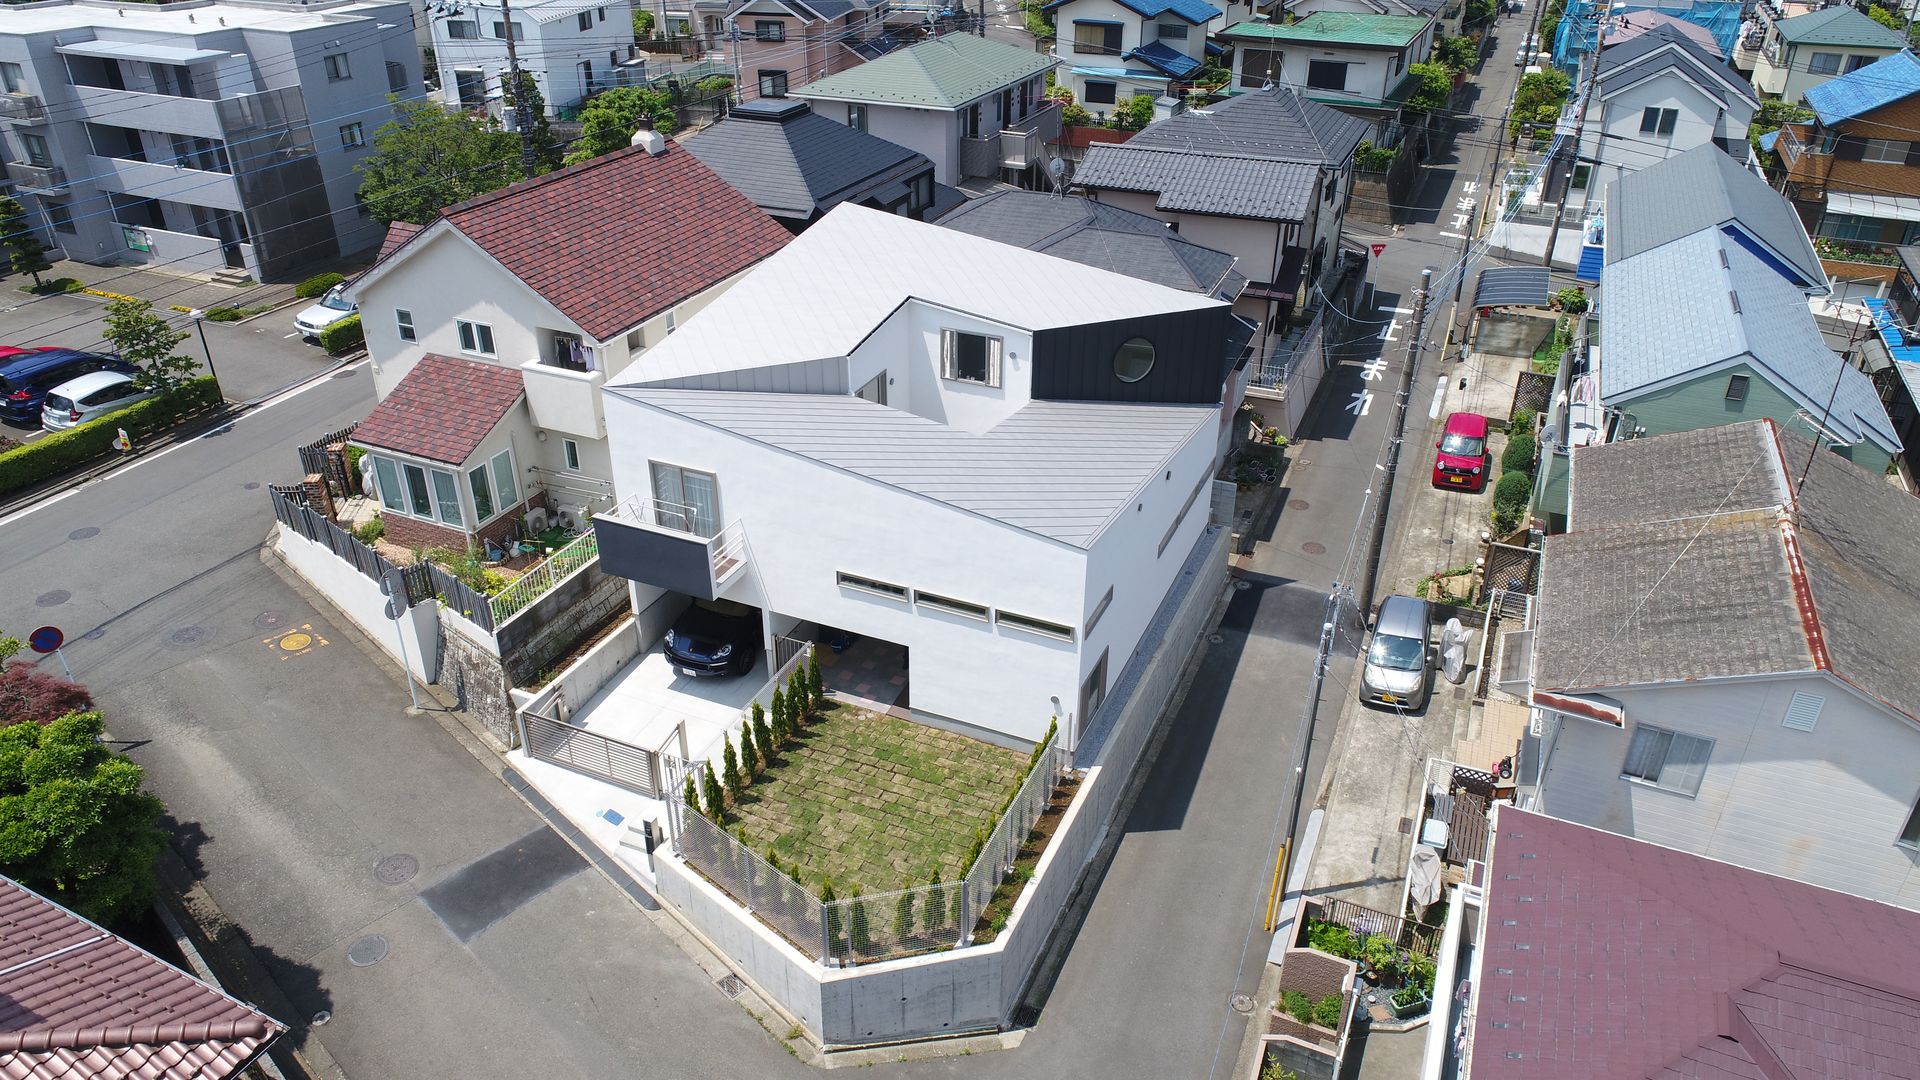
column 199, row 318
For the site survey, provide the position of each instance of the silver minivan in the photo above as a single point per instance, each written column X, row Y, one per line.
column 1399, row 667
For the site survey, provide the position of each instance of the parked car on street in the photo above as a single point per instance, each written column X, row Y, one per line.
column 330, row 309
column 89, row 397
column 1462, row 460
column 25, row 380
column 714, row 637
column 1399, row 667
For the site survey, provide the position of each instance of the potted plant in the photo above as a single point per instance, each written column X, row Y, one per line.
column 1409, row 1000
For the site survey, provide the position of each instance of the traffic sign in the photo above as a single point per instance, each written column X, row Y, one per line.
column 46, row 639
column 1379, row 250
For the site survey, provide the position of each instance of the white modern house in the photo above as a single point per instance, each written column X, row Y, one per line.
column 990, row 462
column 1354, row 62
column 1658, row 94
column 571, row 47
column 1117, row 50
column 1723, row 659
column 493, row 329
column 200, row 137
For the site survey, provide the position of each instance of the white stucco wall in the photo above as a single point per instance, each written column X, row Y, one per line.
column 1371, row 73
column 551, row 51
column 1823, row 806
column 358, row 598
column 1617, row 142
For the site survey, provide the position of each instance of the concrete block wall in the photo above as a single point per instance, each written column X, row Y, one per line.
column 358, row 598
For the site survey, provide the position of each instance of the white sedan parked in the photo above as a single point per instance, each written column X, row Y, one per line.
column 89, row 397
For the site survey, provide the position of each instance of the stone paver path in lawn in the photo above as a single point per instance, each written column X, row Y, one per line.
column 876, row 801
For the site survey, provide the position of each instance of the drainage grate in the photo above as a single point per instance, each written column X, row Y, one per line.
column 1241, row 1003
column 732, row 986
column 84, row 533
column 396, row 869
column 1406, row 826
column 53, row 599
column 368, row 951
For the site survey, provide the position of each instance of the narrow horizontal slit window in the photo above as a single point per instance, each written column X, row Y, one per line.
column 1034, row 626
column 867, row 584
column 949, row 604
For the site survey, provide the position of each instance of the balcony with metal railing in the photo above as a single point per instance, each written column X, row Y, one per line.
column 670, row 546
column 22, row 108
column 1024, row 142
column 45, row 179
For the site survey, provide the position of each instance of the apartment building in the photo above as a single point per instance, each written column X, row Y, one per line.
column 200, row 136
column 572, row 48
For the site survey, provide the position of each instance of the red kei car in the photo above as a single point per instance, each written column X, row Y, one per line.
column 1463, row 461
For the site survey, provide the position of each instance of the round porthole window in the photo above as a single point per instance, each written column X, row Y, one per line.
column 1134, row 360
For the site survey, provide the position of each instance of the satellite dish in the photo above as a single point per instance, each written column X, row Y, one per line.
column 1057, row 170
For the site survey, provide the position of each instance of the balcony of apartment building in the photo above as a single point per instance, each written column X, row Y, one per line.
column 20, row 107
column 1018, row 144
column 1807, row 154
column 177, row 168
column 155, row 87
column 563, row 385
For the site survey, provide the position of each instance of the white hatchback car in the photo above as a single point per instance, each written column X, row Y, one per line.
column 89, row 397
column 332, row 308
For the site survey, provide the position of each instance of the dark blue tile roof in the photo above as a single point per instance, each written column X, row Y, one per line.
column 1162, row 57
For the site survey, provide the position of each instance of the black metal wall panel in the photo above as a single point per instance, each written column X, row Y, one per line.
column 1190, row 361
column 678, row 564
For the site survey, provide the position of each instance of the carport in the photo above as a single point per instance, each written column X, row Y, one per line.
column 1511, row 313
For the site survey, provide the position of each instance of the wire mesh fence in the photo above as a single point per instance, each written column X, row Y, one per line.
column 880, row 926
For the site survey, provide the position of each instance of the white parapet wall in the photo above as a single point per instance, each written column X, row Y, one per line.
column 358, row 598
column 978, row 987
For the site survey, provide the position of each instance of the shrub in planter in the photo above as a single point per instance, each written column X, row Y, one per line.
column 370, row 531
column 827, row 899
column 815, row 687
column 903, row 917
column 343, row 336
column 782, row 716
column 730, row 769
column 1510, row 495
column 1332, row 939
column 1326, row 1011
column 57, row 452
column 1520, row 452
column 716, row 799
column 762, row 734
column 317, row 284
column 934, row 914
column 749, row 757
column 692, row 795
column 857, row 929
column 1297, row 1005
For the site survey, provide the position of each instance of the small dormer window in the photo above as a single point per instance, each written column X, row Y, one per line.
column 969, row 357
column 1133, row 360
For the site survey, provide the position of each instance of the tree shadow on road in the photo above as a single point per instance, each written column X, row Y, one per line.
column 187, row 838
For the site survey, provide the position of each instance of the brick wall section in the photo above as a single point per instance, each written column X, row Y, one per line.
column 1314, row 973
column 318, row 497
column 413, row 533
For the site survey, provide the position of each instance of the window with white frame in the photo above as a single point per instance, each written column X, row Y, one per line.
column 403, row 322
column 871, row 585
column 1099, row 609
column 12, row 78
column 634, row 340
column 495, row 489
column 417, row 491
column 969, row 357
column 857, row 117
column 337, row 68
column 353, row 136
column 570, row 451
column 1823, row 63
column 1667, row 759
column 476, row 338
column 951, row 606
column 773, row 83
column 1886, row 151
column 1031, row 625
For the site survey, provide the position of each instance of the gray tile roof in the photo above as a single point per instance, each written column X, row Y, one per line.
column 942, row 73
column 1746, row 579
column 1630, row 61
column 1077, row 228
column 1699, row 189
column 1668, row 315
column 1202, row 183
column 794, row 163
column 1271, row 125
column 1064, row 470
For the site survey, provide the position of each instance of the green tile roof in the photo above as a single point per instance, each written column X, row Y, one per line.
column 1838, row 26
column 944, row 73
column 1337, row 28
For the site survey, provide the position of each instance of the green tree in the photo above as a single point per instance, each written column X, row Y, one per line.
column 642, row 24
column 903, row 916
column 75, row 825
column 827, row 902
column 1479, row 11
column 816, row 690
column 692, row 795
column 545, row 149
column 858, row 933
column 9, row 647
column 1538, row 100
column 148, row 341
column 730, row 766
column 608, row 122
column 25, row 253
column 783, row 716
column 427, row 158
column 749, row 756
column 1134, row 113
column 716, row 799
column 1886, row 18
column 1457, row 53
column 1435, row 88
column 934, row 914
column 763, row 735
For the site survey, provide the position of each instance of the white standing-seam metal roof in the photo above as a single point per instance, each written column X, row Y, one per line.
column 1062, row 469
column 821, row 295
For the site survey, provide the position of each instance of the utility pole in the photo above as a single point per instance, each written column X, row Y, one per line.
column 1378, row 537
column 1579, row 125
column 1283, row 862
column 517, row 93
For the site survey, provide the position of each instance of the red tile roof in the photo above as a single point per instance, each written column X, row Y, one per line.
column 1607, row 957
column 442, row 409
column 398, row 232
column 78, row 1002
column 615, row 241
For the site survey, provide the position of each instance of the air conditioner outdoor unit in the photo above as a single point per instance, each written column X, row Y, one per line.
column 536, row 520
column 571, row 519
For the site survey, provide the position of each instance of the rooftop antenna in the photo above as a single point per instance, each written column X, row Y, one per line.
column 1057, row 174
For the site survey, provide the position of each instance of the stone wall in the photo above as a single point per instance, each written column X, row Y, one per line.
column 547, row 630
column 476, row 676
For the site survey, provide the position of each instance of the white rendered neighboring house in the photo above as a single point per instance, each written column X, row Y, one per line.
column 562, row 281
column 1357, row 63
column 572, row 48
column 1723, row 661
column 1119, row 49
column 1800, row 53
column 994, row 460
column 1659, row 94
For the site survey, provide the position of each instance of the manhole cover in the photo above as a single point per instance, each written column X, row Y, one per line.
column 296, row 641
column 54, row 598
column 396, row 869
column 368, row 951
column 94, row 634
column 732, row 986
column 1297, row 504
column 1406, row 826
column 1312, row 548
column 252, row 485
column 1242, row 1004
column 1216, row 639
column 188, row 635
column 85, row 533
column 270, row 620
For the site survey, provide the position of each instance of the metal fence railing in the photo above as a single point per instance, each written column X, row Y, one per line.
column 881, row 926
column 1408, row 935
column 632, row 767
column 543, row 576
column 314, row 459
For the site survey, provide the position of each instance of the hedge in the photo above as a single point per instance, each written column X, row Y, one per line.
column 60, row 451
column 317, row 285
column 1510, row 497
column 1520, row 452
column 343, row 336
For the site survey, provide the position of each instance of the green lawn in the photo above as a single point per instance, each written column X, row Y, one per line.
column 877, row 802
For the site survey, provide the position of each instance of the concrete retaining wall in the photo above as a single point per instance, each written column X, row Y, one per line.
column 549, row 628
column 979, row 987
column 358, row 598
column 585, row 676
